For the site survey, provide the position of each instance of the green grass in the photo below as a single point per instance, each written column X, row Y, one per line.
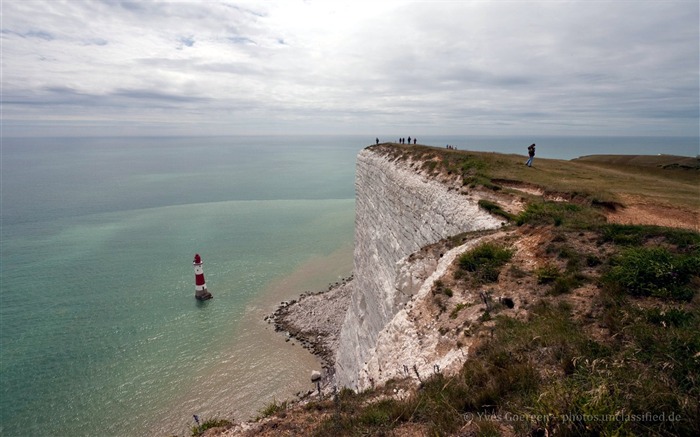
column 547, row 274
column 495, row 209
column 210, row 423
column 589, row 182
column 562, row 281
column 645, row 370
column 440, row 288
column 654, row 271
column 635, row 235
column 483, row 263
column 550, row 370
column 272, row 408
column 455, row 312
column 560, row 214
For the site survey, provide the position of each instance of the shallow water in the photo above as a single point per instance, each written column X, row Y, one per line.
column 101, row 334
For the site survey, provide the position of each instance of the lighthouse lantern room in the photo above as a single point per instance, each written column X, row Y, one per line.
column 200, row 287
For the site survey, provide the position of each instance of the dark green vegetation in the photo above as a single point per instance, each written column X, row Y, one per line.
column 272, row 408
column 495, row 209
column 484, row 262
column 564, row 214
column 654, row 271
column 630, row 365
column 208, row 424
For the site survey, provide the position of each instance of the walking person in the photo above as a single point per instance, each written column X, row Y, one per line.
column 531, row 154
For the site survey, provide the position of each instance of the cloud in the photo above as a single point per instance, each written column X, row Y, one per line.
column 466, row 67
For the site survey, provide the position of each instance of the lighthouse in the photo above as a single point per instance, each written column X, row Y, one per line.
column 200, row 287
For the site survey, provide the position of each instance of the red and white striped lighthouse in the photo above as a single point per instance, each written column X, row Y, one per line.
column 200, row 287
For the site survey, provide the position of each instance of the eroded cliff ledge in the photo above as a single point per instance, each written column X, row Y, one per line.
column 399, row 210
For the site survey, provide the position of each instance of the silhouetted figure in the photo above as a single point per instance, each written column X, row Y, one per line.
column 409, row 140
column 414, row 141
column 377, row 141
column 531, row 154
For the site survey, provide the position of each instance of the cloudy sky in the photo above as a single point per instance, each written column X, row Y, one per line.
column 439, row 67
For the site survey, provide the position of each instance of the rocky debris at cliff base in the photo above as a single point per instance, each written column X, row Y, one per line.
column 315, row 319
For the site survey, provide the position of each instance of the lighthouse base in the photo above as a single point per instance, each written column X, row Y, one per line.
column 203, row 295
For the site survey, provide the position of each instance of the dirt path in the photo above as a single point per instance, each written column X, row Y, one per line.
column 637, row 210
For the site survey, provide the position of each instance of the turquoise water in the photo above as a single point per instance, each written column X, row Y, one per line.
column 101, row 334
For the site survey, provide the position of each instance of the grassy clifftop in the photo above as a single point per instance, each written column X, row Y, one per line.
column 621, row 180
column 650, row 161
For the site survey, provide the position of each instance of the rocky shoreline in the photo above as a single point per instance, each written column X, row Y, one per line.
column 315, row 319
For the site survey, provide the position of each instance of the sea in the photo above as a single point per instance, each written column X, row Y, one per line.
column 100, row 333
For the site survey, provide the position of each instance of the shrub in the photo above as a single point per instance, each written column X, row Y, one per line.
column 653, row 272
column 210, row 423
column 380, row 413
column 635, row 235
column 273, row 408
column 476, row 180
column 429, row 165
column 560, row 214
column 485, row 261
column 457, row 309
column 670, row 317
column 564, row 284
column 593, row 260
column 547, row 274
column 439, row 288
column 495, row 209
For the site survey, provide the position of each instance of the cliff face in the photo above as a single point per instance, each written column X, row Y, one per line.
column 398, row 211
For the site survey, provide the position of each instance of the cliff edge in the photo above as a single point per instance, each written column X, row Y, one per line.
column 398, row 211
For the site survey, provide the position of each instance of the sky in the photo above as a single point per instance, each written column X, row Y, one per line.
column 514, row 67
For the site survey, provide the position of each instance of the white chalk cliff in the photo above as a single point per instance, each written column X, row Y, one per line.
column 399, row 210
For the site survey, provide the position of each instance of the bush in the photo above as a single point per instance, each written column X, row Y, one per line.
column 457, row 309
column 635, row 235
column 564, row 284
column 485, row 261
column 210, row 423
column 653, row 272
column 273, row 408
column 439, row 288
column 563, row 214
column 547, row 274
column 671, row 317
column 495, row 209
column 593, row 260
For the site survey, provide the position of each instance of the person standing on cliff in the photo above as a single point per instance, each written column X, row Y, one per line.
column 531, row 154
